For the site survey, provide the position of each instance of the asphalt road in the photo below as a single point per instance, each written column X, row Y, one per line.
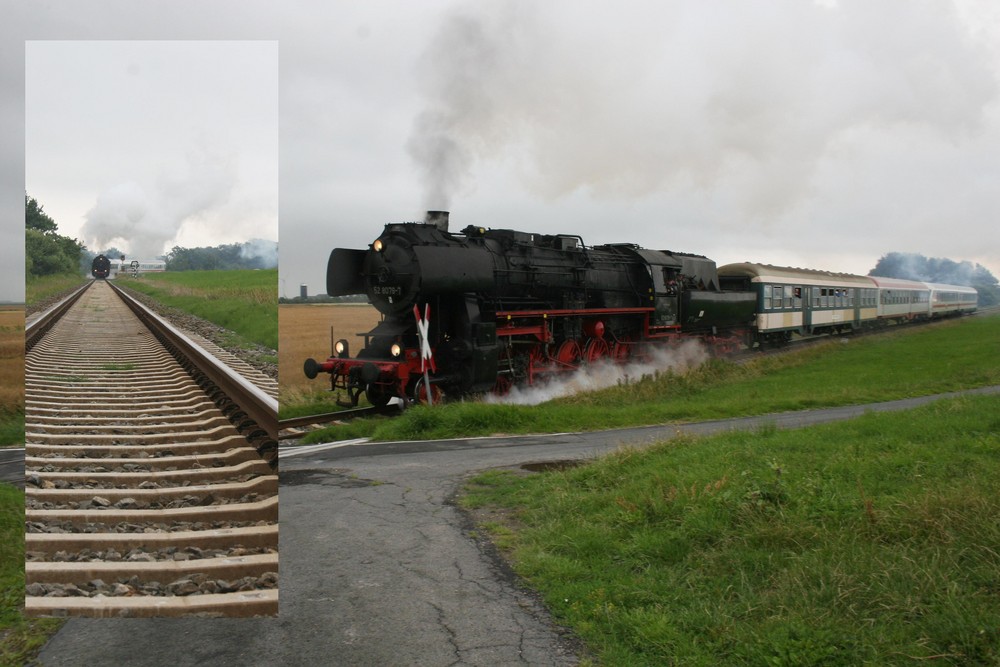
column 379, row 568
column 12, row 466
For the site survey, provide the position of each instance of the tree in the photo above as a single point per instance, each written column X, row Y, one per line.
column 45, row 251
column 255, row 254
column 36, row 218
column 913, row 266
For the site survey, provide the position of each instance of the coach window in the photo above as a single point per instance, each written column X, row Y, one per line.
column 788, row 296
column 778, row 296
column 797, row 293
column 767, row 297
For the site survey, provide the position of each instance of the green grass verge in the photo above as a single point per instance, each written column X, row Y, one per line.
column 874, row 541
column 315, row 402
column 38, row 289
column 911, row 362
column 20, row 638
column 244, row 302
column 11, row 427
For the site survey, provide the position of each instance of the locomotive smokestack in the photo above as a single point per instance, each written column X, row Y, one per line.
column 437, row 218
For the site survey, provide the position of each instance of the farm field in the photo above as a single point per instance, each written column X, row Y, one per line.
column 305, row 331
column 11, row 375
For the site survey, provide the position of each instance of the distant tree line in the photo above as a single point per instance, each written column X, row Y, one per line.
column 46, row 252
column 255, row 254
column 913, row 266
column 325, row 298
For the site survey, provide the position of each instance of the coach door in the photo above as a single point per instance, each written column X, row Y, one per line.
column 807, row 309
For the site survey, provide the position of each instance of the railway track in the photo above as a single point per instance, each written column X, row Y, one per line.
column 150, row 471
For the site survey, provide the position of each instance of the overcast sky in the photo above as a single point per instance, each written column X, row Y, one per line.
column 147, row 145
column 821, row 135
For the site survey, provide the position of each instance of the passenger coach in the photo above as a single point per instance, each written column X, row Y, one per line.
column 902, row 300
column 803, row 301
column 947, row 300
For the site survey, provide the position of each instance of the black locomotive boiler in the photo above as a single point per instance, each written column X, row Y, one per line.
column 508, row 308
column 101, row 267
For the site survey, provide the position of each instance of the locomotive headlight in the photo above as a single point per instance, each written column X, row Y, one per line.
column 396, row 350
column 340, row 347
column 377, row 245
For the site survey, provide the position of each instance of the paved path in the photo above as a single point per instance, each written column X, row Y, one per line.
column 378, row 568
column 12, row 466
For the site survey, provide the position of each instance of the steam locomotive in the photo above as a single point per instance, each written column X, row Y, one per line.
column 100, row 267
column 488, row 309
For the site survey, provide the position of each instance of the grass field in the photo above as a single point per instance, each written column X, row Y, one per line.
column 306, row 332
column 910, row 362
column 870, row 542
column 245, row 302
column 37, row 289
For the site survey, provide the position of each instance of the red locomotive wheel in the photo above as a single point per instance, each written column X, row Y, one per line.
column 420, row 393
column 596, row 349
column 621, row 350
column 569, row 353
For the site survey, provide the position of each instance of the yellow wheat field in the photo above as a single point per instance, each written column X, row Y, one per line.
column 304, row 331
column 11, row 358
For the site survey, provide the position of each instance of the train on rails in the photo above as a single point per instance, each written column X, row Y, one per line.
column 488, row 309
column 100, row 268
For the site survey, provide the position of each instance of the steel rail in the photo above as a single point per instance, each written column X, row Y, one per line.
column 260, row 408
column 34, row 330
column 327, row 417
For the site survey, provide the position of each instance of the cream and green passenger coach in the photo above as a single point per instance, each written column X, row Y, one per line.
column 803, row 301
column 806, row 302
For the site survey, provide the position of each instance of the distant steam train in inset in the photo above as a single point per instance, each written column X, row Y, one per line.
column 104, row 268
column 513, row 308
column 100, row 267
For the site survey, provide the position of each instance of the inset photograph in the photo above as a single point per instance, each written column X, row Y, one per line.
column 151, row 211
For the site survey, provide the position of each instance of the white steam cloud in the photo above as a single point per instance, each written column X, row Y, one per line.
column 262, row 252
column 604, row 374
column 687, row 95
column 144, row 220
